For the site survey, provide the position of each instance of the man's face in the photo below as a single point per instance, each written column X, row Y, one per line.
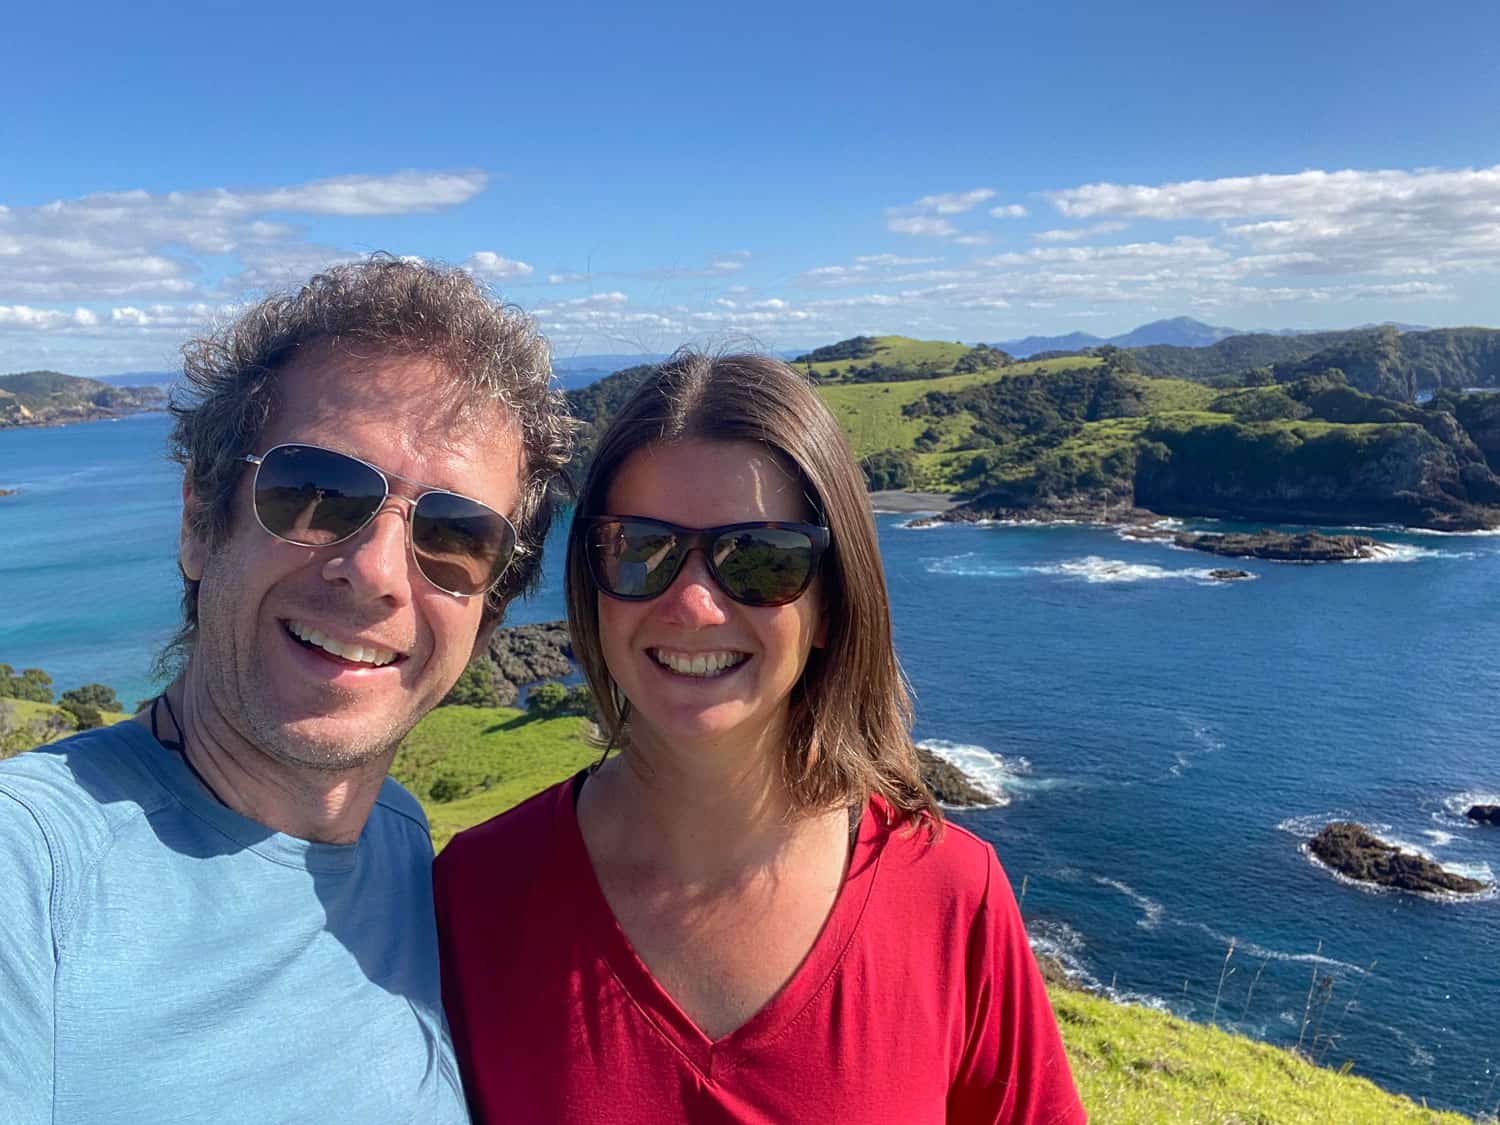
column 267, row 609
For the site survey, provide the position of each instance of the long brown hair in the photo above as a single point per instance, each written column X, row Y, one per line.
column 849, row 731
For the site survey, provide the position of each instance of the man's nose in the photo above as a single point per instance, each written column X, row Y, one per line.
column 376, row 562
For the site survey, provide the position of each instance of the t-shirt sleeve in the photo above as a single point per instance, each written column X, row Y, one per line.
column 1014, row 1068
column 27, row 964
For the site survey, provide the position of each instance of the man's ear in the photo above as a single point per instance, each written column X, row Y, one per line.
column 192, row 551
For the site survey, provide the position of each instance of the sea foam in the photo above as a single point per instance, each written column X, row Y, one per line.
column 995, row 775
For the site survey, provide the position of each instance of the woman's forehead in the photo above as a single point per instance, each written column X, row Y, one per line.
column 699, row 483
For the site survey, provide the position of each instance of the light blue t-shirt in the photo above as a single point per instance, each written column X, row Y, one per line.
column 164, row 960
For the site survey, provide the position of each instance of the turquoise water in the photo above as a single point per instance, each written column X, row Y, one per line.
column 1165, row 743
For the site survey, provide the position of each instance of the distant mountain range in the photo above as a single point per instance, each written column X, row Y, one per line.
column 1178, row 331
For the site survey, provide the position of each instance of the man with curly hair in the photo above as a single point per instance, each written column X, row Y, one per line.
column 221, row 909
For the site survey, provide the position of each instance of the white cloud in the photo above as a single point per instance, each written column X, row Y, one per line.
column 1009, row 211
column 973, row 240
column 954, row 202
column 891, row 260
column 923, row 225
column 1077, row 234
column 495, row 267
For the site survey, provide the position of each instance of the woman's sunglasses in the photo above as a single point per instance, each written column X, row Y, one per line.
column 757, row 564
column 316, row 497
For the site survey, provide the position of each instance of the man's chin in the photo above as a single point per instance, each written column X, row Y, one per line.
column 332, row 745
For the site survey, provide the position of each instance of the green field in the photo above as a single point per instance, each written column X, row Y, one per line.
column 870, row 413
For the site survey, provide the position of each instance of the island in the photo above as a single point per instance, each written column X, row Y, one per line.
column 50, row 398
column 1354, row 852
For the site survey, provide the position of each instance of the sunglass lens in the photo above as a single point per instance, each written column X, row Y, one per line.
column 315, row 496
column 633, row 558
column 763, row 566
column 462, row 546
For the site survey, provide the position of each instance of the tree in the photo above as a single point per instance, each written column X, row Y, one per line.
column 475, row 687
column 93, row 695
column 86, row 715
column 32, row 684
column 546, row 699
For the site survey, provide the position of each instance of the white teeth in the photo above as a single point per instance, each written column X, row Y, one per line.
column 704, row 664
column 359, row 654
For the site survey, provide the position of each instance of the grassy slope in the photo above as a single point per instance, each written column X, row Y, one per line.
column 1132, row 1065
column 898, row 351
column 870, row 413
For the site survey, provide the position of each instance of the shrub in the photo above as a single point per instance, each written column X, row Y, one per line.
column 86, row 715
column 890, row 468
column 547, row 698
column 476, row 687
column 445, row 788
column 93, row 695
column 580, row 701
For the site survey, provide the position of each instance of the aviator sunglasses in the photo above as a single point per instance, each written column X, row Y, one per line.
column 316, row 497
column 757, row 564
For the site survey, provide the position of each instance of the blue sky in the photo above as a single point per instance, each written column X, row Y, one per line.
column 787, row 174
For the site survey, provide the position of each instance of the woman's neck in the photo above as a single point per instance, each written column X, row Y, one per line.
column 696, row 814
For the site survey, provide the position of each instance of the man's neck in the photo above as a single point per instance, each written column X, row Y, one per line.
column 322, row 805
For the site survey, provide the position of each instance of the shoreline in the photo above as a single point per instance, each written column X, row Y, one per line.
column 900, row 502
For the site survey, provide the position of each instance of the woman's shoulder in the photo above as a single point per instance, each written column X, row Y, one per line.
column 945, row 861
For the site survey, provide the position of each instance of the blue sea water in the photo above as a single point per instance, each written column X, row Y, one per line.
column 1165, row 743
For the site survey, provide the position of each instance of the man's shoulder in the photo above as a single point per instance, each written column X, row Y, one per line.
column 83, row 788
column 396, row 803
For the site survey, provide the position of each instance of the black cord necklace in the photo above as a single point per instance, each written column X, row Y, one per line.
column 180, row 746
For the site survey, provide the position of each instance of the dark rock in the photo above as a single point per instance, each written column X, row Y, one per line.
column 1355, row 853
column 1229, row 575
column 525, row 654
column 1308, row 546
column 7, row 491
column 948, row 783
column 1484, row 814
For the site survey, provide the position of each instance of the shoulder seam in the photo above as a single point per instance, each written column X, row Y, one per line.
column 53, row 893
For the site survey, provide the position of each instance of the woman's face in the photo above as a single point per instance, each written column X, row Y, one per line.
column 748, row 658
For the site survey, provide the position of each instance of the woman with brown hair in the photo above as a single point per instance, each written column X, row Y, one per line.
column 754, row 912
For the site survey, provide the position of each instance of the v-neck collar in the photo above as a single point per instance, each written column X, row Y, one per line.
column 714, row 1058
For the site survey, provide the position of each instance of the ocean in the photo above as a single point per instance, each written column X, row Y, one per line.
column 1162, row 744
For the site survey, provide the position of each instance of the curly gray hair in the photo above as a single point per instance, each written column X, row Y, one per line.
column 385, row 304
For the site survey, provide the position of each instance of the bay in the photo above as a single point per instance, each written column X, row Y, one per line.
column 1165, row 743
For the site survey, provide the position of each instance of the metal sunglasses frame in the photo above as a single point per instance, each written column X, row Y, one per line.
column 420, row 490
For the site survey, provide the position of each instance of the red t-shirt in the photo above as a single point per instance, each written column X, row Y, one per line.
column 919, row 1001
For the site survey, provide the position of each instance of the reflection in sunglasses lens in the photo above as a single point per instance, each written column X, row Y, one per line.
column 315, row 497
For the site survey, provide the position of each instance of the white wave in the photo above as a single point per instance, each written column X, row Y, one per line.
column 1262, row 953
column 1458, row 804
column 1410, row 552
column 1095, row 569
column 1151, row 910
column 1481, row 533
column 992, row 774
column 1438, row 837
column 971, row 565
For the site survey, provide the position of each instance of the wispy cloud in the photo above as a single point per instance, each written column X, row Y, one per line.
column 954, row 202
column 1009, row 211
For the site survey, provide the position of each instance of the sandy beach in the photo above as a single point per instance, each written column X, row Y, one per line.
column 897, row 501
